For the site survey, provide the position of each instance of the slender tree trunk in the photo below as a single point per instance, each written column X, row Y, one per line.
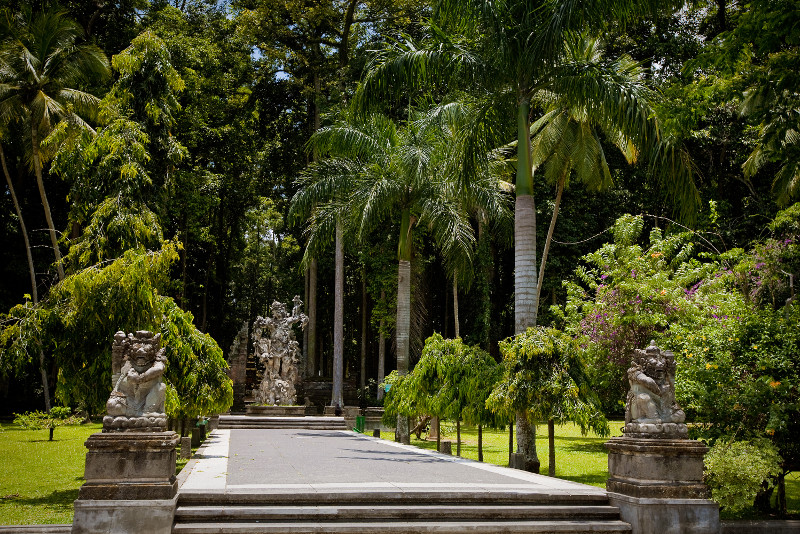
column 525, row 279
column 363, row 381
column 551, row 442
column 559, row 191
column 37, row 167
column 458, row 437
column 510, row 441
column 438, row 423
column 480, row 443
column 457, row 331
column 31, row 270
column 525, row 445
column 381, row 353
column 312, row 317
column 338, row 321
column 403, row 326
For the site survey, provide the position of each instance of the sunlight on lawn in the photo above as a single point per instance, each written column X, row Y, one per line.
column 40, row 479
column 578, row 458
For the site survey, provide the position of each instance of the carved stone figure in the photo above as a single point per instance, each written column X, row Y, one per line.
column 276, row 348
column 137, row 398
column 651, row 409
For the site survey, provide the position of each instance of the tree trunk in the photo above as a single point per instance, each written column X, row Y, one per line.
column 526, row 442
column 363, row 381
column 403, row 328
column 455, row 305
column 480, row 443
column 381, row 353
column 438, row 423
column 559, row 191
column 458, row 437
column 525, row 278
column 510, row 441
column 312, row 318
column 551, row 442
column 338, row 321
column 37, row 167
column 31, row 270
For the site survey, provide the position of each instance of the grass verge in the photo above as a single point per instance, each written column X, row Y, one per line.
column 41, row 478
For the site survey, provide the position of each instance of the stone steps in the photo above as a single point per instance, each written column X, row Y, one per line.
column 275, row 422
column 348, row 511
column 436, row 525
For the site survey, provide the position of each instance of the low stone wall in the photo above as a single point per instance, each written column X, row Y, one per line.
column 760, row 527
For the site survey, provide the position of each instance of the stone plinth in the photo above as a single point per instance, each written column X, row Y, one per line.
column 281, row 411
column 130, row 483
column 658, row 486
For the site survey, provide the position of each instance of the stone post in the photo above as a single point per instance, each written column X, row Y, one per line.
column 655, row 471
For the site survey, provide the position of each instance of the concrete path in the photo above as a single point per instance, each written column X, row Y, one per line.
column 308, row 461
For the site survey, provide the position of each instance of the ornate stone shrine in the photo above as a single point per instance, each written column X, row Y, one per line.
column 130, row 467
column 276, row 348
column 655, row 471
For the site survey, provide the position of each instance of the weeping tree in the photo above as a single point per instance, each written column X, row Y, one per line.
column 545, row 375
column 77, row 320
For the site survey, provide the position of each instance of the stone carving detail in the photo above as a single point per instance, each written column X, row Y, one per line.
column 137, row 398
column 276, row 348
column 651, row 410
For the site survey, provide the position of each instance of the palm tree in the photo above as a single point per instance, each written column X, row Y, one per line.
column 518, row 55
column 41, row 64
column 380, row 171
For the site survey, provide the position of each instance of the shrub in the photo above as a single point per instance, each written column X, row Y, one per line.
column 36, row 420
column 737, row 470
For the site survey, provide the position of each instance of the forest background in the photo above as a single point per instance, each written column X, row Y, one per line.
column 170, row 172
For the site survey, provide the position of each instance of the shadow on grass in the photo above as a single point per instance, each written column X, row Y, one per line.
column 57, row 499
column 597, row 447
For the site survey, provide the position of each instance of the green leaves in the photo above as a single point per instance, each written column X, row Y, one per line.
column 545, row 376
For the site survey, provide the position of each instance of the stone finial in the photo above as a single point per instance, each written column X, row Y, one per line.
column 276, row 348
column 651, row 410
column 137, row 398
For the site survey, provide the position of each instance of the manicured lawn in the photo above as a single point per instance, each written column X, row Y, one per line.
column 578, row 458
column 40, row 479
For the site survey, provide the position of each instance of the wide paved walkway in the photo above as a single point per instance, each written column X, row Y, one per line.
column 307, row 461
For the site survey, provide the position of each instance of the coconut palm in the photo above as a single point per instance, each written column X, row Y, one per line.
column 42, row 65
column 506, row 54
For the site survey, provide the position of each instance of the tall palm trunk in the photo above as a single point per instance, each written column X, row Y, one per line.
column 363, row 382
column 37, row 167
column 549, row 239
column 311, row 363
column 31, row 269
column 338, row 321
column 403, row 311
column 381, row 352
column 457, row 331
column 525, row 279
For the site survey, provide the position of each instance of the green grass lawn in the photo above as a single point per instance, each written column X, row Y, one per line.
column 578, row 458
column 40, row 478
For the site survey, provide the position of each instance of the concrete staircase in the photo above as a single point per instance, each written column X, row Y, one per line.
column 304, row 423
column 349, row 511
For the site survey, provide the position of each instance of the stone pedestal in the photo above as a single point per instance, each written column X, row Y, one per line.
column 130, row 484
column 658, row 486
